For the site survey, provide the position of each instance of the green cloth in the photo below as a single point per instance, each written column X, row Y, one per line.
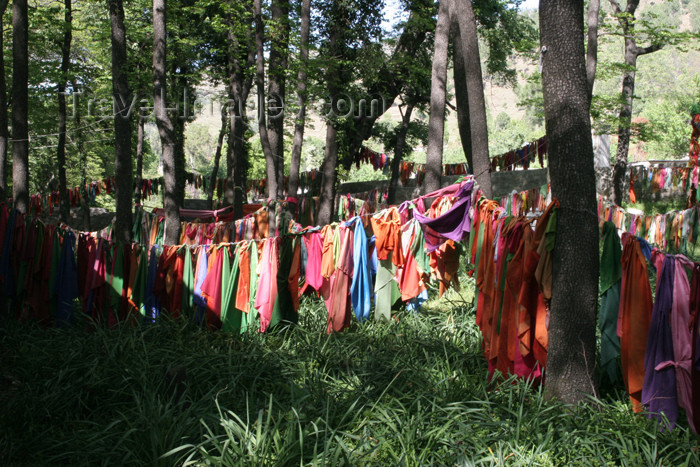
column 116, row 278
column 479, row 246
column 187, row 284
column 610, row 259
column 610, row 284
column 386, row 289
column 139, row 289
column 550, row 234
column 230, row 317
column 250, row 319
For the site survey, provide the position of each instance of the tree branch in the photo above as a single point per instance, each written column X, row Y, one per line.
column 648, row 49
column 616, row 7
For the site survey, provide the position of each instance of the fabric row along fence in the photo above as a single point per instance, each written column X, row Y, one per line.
column 364, row 267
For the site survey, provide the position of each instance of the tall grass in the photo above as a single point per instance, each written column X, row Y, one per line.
column 410, row 392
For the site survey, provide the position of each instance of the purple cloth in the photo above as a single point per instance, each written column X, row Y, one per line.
column 659, row 390
column 452, row 225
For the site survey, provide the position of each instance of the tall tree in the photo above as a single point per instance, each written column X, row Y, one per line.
column 436, row 125
column 270, row 163
column 572, row 325
column 240, row 62
column 64, row 207
column 217, row 156
column 20, row 105
column 399, row 150
column 461, row 96
column 122, row 123
column 300, row 119
column 165, row 124
column 479, row 133
column 592, row 41
column 279, row 58
column 4, row 133
column 626, row 19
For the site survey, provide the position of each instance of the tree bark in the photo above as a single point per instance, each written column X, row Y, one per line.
column 84, row 206
column 328, row 176
column 461, row 96
column 572, row 325
column 122, row 123
column 475, row 92
column 270, row 163
column 64, row 207
column 279, row 44
column 4, row 133
column 217, row 157
column 139, row 160
column 20, row 105
column 592, row 49
column 165, row 125
column 241, row 58
column 398, row 153
column 626, row 20
column 436, row 122
column 300, row 120
column 334, row 74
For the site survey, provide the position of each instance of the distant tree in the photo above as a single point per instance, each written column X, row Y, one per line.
column 657, row 38
column 64, row 208
column 436, row 125
column 122, row 123
column 20, row 105
column 300, row 119
column 165, row 125
column 4, row 132
column 572, row 325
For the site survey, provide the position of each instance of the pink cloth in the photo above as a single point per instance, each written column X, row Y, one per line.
column 267, row 283
column 195, row 212
column 682, row 337
column 314, row 249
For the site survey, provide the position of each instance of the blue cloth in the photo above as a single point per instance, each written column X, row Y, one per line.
column 646, row 248
column 66, row 285
column 199, row 300
column 150, row 302
column 659, row 389
column 360, row 288
column 414, row 304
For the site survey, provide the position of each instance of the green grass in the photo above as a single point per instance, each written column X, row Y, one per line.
column 411, row 392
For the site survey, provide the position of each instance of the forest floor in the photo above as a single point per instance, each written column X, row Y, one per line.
column 409, row 392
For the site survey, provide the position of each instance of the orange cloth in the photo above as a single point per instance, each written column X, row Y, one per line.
column 243, row 290
column 634, row 317
column 387, row 234
column 327, row 260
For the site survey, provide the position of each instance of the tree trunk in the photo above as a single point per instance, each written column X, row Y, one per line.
column 436, row 122
column 165, row 125
column 139, row 159
column 398, row 153
column 300, row 120
column 279, row 44
column 328, row 176
column 64, row 207
column 4, row 133
column 241, row 58
column 572, row 325
column 475, row 92
column 179, row 127
column 270, row 164
column 592, row 49
column 122, row 123
column 623, row 130
column 217, row 157
column 461, row 96
column 84, row 206
column 20, row 105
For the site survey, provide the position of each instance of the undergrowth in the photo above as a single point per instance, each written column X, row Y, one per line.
column 410, row 392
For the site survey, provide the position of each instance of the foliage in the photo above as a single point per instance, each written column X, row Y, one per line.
column 411, row 391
